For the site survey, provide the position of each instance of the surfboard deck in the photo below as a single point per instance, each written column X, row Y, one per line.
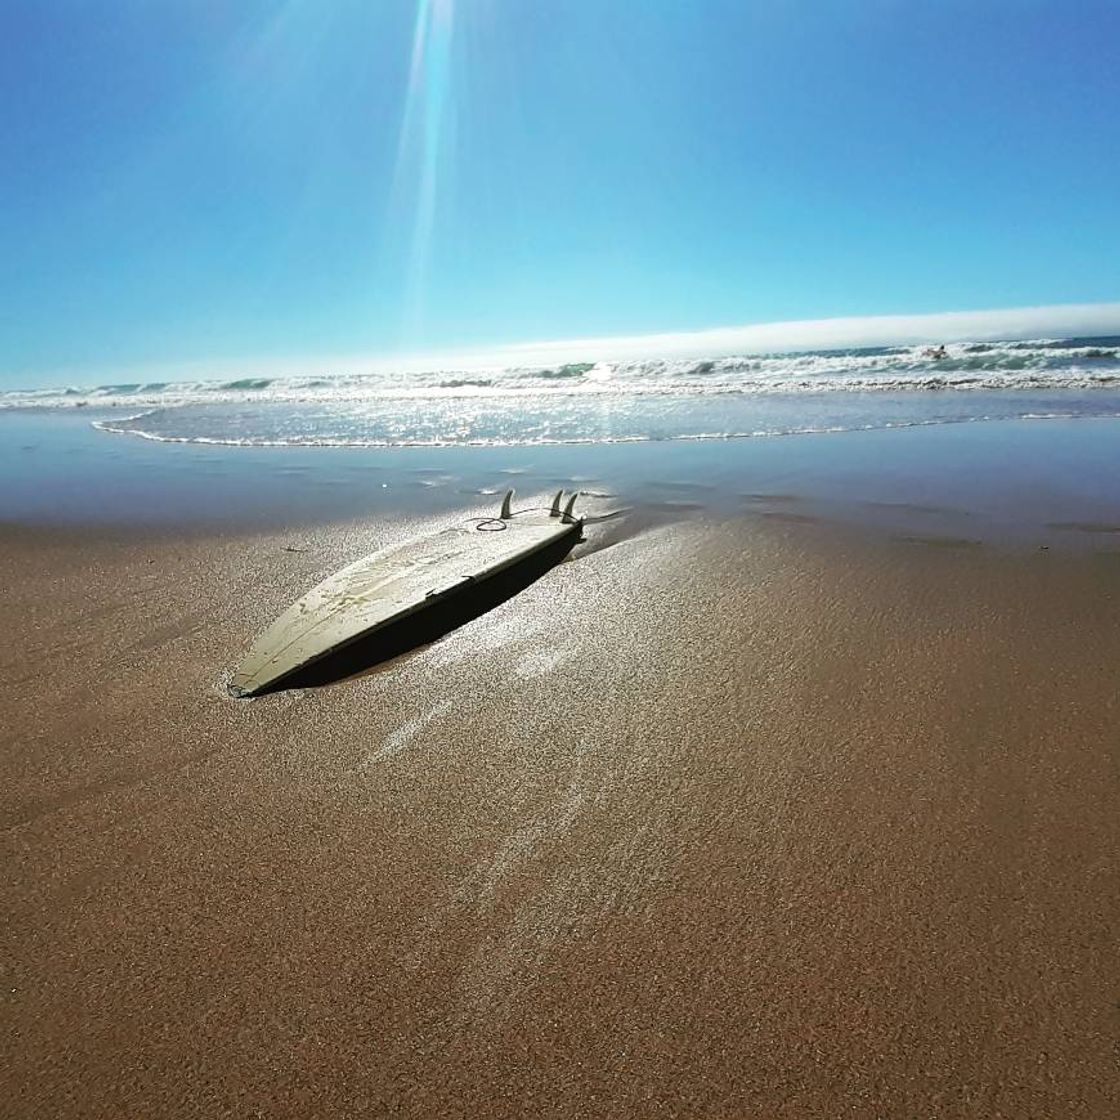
column 391, row 584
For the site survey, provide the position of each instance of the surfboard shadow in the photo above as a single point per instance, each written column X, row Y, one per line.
column 427, row 625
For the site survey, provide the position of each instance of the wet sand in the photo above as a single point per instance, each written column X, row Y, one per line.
column 735, row 817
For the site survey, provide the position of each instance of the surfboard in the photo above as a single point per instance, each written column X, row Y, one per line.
column 387, row 586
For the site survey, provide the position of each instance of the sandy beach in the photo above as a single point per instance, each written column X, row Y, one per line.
column 730, row 816
column 349, row 770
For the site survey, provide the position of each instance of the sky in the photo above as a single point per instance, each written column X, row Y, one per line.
column 300, row 183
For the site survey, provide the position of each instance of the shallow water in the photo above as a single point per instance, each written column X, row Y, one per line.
column 1045, row 482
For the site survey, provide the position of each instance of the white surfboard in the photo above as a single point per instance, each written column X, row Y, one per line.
column 389, row 585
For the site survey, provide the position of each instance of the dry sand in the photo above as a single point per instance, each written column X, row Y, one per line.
column 740, row 819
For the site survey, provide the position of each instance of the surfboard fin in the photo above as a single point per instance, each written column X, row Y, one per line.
column 506, row 513
column 555, row 511
column 567, row 517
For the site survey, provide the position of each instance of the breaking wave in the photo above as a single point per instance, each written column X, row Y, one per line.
column 1040, row 364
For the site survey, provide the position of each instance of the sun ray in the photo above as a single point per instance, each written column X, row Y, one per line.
column 420, row 170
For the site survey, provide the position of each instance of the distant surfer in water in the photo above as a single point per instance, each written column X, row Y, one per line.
column 935, row 352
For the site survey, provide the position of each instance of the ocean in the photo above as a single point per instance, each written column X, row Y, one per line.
column 762, row 395
column 1014, row 440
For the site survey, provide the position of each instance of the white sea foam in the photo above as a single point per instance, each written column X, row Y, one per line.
column 614, row 402
column 575, row 441
column 1040, row 364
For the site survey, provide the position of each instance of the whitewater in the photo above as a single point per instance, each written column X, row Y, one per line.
column 597, row 401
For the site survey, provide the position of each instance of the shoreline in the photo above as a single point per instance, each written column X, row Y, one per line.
column 1021, row 484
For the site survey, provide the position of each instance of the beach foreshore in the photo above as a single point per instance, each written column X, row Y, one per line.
column 735, row 815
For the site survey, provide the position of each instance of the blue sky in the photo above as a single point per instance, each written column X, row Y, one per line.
column 193, row 182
